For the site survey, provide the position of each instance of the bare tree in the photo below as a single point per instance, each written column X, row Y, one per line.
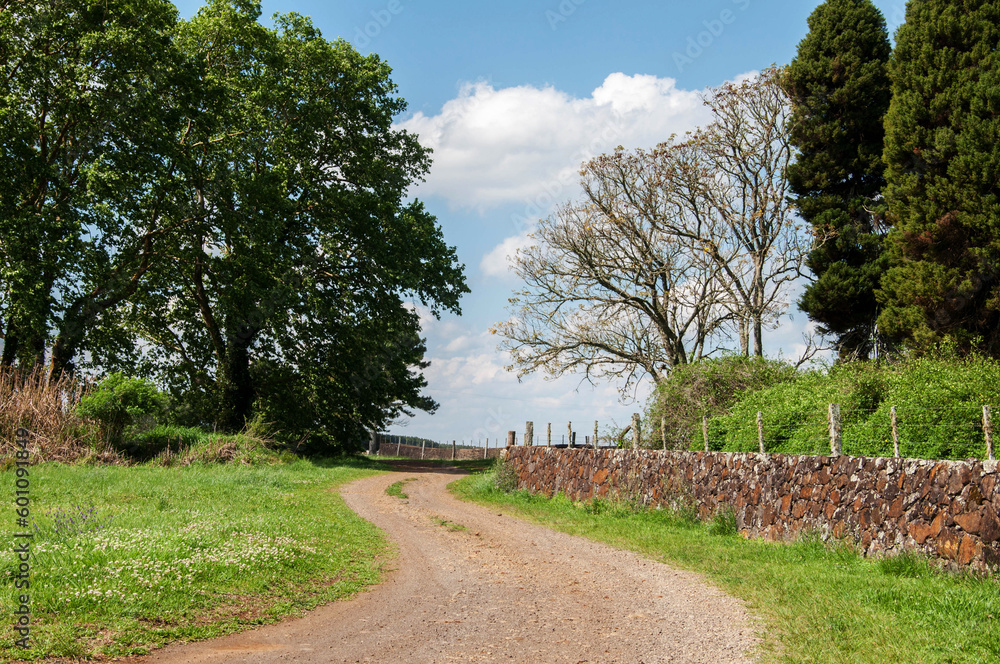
column 609, row 290
column 670, row 250
column 749, row 153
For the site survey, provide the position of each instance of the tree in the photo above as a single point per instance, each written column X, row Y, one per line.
column 838, row 84
column 746, row 185
column 85, row 91
column 668, row 250
column 942, row 155
column 297, row 249
column 609, row 289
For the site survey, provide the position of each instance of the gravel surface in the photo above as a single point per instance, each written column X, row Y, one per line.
column 472, row 585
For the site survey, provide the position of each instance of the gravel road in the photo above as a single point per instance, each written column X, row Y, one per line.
column 472, row 585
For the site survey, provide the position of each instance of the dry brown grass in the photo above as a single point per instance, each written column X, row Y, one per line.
column 46, row 408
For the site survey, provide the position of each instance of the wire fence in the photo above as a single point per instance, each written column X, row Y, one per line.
column 957, row 431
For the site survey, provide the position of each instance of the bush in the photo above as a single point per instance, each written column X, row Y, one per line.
column 938, row 402
column 119, row 402
column 504, row 477
column 939, row 405
column 796, row 412
column 709, row 387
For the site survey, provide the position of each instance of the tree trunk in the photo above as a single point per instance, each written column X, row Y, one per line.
column 758, row 335
column 744, row 337
column 11, row 341
column 236, row 385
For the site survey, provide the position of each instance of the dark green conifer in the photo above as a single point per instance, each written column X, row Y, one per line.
column 839, row 87
column 942, row 155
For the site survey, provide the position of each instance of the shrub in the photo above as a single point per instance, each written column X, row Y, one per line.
column 939, row 409
column 796, row 411
column 119, row 402
column 938, row 402
column 709, row 387
column 504, row 478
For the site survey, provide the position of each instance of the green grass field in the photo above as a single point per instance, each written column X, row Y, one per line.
column 179, row 553
column 817, row 603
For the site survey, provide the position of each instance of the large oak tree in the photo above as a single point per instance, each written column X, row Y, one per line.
column 217, row 204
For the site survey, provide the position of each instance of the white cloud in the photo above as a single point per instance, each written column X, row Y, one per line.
column 494, row 147
column 497, row 262
column 479, row 399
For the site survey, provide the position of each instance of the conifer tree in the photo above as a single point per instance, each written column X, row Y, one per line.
column 942, row 155
column 839, row 87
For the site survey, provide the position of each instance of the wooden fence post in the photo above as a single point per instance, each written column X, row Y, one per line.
column 423, row 443
column 836, row 445
column 454, row 449
column 569, row 434
column 511, row 438
column 988, row 430
column 704, row 430
column 760, row 430
column 529, row 434
column 486, row 450
column 636, row 435
column 895, row 432
column 399, row 442
column 663, row 431
column 595, row 434
column 548, row 435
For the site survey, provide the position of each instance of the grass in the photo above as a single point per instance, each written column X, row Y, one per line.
column 396, row 488
column 183, row 553
column 818, row 602
column 451, row 526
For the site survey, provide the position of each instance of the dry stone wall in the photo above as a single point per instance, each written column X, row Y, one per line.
column 948, row 509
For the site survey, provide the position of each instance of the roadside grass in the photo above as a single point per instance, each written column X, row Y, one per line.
column 182, row 553
column 817, row 602
column 396, row 488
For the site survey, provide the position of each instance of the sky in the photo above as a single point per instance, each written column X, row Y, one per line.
column 512, row 97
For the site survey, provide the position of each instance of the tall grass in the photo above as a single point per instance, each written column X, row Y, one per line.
column 46, row 408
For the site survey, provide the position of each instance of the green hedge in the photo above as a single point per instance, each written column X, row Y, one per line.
column 938, row 403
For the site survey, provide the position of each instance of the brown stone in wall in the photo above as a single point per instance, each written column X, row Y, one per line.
column 969, row 522
column 989, row 525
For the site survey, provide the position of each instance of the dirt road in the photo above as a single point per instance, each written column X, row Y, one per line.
column 471, row 585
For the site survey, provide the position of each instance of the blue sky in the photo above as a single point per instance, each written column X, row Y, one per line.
column 513, row 96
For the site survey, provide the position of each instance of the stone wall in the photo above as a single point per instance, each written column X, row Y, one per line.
column 947, row 509
column 413, row 452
